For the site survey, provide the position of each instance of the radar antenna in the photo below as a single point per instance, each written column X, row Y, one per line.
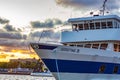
column 104, row 6
column 102, row 11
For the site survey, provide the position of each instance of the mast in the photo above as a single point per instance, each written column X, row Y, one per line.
column 104, row 5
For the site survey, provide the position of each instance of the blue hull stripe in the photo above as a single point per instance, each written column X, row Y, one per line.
column 80, row 66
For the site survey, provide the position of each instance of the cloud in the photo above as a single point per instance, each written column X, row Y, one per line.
column 57, row 21
column 3, row 21
column 10, row 44
column 12, row 38
column 49, row 23
column 48, row 35
column 9, row 28
column 9, row 35
column 88, row 4
column 35, row 34
column 13, row 44
column 42, row 34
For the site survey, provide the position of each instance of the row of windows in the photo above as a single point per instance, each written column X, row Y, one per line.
column 103, row 68
column 102, row 46
column 95, row 46
column 95, row 25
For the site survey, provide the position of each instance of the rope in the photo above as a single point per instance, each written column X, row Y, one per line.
column 40, row 36
column 56, row 62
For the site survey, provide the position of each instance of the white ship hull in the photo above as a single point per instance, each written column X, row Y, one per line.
column 75, row 63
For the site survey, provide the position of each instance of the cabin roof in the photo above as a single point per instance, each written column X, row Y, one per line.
column 94, row 18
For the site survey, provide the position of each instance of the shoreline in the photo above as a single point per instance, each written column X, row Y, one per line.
column 15, row 73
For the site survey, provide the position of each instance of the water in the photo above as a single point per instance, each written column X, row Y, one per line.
column 23, row 77
column 28, row 77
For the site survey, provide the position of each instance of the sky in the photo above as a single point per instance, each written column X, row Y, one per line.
column 21, row 12
column 21, row 21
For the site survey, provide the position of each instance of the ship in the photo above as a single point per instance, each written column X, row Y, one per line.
column 89, row 51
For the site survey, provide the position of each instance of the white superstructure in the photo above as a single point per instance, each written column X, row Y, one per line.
column 94, row 32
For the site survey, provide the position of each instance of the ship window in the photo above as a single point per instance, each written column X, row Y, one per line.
column 102, row 68
column 65, row 44
column 103, row 25
column 74, row 26
column 119, row 47
column 95, row 46
column 80, row 26
column 91, row 25
column 109, row 24
column 72, row 45
column 80, row 45
column 115, row 47
column 87, row 45
column 118, row 25
column 97, row 24
column 115, row 69
column 103, row 46
column 86, row 27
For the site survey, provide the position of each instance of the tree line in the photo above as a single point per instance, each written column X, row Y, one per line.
column 6, row 65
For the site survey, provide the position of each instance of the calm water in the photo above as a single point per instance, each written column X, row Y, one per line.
column 23, row 77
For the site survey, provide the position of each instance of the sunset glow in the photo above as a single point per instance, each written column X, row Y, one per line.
column 16, row 54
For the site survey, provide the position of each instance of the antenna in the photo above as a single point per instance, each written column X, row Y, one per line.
column 104, row 5
column 102, row 11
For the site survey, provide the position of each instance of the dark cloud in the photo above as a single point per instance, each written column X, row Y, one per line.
column 37, row 24
column 47, row 35
column 41, row 34
column 8, row 42
column 49, row 23
column 3, row 21
column 13, row 41
column 35, row 34
column 57, row 21
column 93, row 4
column 12, row 35
column 13, row 44
column 18, row 29
column 9, row 28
